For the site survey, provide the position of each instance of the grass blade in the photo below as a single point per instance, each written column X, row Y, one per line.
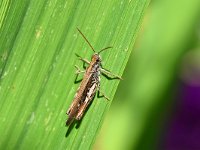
column 38, row 43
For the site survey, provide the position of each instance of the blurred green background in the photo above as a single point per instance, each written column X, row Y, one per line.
column 165, row 59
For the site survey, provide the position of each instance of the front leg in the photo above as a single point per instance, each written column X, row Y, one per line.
column 110, row 74
column 78, row 70
column 83, row 59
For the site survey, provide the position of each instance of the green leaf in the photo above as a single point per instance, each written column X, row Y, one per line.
column 38, row 44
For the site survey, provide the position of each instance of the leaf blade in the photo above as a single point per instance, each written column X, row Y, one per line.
column 37, row 83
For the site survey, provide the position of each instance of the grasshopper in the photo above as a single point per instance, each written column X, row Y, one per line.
column 89, row 85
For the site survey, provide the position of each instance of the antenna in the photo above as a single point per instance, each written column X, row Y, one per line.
column 104, row 49
column 85, row 39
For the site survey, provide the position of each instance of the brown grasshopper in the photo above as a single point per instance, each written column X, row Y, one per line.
column 89, row 84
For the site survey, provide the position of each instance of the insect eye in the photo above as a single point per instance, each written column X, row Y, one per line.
column 98, row 59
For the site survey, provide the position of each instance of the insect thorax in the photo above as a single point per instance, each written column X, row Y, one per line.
column 96, row 71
